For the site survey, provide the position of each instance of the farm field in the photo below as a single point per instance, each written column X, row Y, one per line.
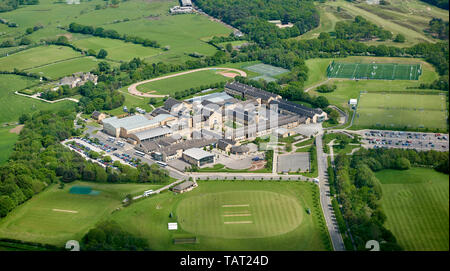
column 36, row 57
column 272, row 226
column 55, row 216
column 398, row 111
column 67, row 67
column 416, row 205
column 407, row 17
column 14, row 105
column 167, row 30
column 52, row 14
column 186, row 81
column 7, row 143
column 117, row 50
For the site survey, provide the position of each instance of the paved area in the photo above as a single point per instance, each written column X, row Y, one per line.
column 293, row 162
column 308, row 129
column 179, row 164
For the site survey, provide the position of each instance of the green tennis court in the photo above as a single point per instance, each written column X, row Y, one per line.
column 380, row 71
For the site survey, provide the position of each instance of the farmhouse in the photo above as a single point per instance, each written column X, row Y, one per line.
column 198, row 157
column 78, row 79
column 184, row 187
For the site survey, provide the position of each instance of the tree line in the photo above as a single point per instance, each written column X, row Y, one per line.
column 8, row 5
column 39, row 160
column 112, row 34
column 359, row 191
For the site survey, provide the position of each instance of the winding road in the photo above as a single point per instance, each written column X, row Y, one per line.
column 133, row 88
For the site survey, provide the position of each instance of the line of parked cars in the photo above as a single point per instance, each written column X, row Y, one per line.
column 127, row 158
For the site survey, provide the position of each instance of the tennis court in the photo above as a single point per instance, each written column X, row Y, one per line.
column 267, row 72
column 380, row 71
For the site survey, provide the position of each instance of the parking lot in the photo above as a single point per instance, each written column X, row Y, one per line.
column 404, row 140
column 293, row 162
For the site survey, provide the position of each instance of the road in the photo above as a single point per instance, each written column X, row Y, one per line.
column 133, row 88
column 325, row 196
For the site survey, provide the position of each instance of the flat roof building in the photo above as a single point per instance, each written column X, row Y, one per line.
column 132, row 124
column 198, row 157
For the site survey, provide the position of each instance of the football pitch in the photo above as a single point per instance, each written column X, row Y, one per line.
column 398, row 110
column 380, row 71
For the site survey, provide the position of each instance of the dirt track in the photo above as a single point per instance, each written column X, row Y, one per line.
column 133, row 88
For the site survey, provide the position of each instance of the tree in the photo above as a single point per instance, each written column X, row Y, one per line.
column 102, row 54
column 402, row 163
column 400, row 38
column 229, row 47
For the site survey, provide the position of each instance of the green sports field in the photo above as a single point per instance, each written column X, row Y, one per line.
column 182, row 82
column 232, row 215
column 381, row 71
column 266, row 72
column 397, row 111
column 55, row 216
column 416, row 205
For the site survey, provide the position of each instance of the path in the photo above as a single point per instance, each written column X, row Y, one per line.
column 35, row 96
column 325, row 196
column 133, row 88
column 318, row 84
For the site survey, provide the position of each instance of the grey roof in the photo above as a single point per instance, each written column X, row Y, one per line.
column 169, row 103
column 152, row 133
column 96, row 114
column 217, row 97
column 129, row 123
column 250, row 91
column 159, row 111
column 197, row 153
column 296, row 108
column 239, row 149
column 223, row 143
column 183, row 185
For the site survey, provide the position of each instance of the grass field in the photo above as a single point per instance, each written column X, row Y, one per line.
column 14, row 105
column 6, row 143
column 36, row 57
column 55, row 216
column 407, row 17
column 183, row 82
column 117, row 49
column 382, row 71
column 390, row 110
column 67, row 67
column 200, row 213
column 348, row 89
column 416, row 205
column 184, row 34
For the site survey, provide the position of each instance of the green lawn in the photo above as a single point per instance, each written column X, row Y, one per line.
column 131, row 101
column 397, row 111
column 6, row 143
column 117, row 49
column 183, row 82
column 416, row 205
column 199, row 213
column 37, row 221
column 14, row 105
column 36, row 57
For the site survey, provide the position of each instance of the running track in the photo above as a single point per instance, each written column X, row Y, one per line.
column 133, row 88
